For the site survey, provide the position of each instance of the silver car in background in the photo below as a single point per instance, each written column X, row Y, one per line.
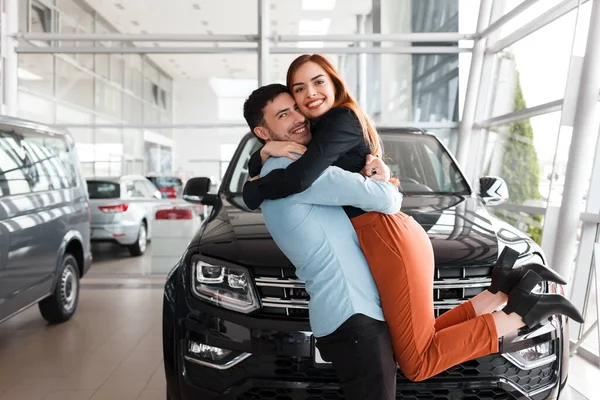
column 122, row 210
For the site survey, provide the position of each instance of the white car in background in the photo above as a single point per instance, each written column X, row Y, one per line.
column 122, row 210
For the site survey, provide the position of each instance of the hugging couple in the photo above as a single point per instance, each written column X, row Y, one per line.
column 332, row 207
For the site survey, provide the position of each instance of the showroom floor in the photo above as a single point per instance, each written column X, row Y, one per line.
column 111, row 349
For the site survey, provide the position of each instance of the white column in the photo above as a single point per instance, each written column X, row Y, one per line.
column 263, row 42
column 362, row 63
column 10, row 62
column 485, row 99
column 468, row 116
column 581, row 150
column 579, row 292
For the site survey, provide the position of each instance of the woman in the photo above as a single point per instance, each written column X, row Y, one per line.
column 396, row 247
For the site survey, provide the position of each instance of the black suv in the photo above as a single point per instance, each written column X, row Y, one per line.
column 44, row 221
column 243, row 332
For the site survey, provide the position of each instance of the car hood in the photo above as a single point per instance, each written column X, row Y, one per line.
column 462, row 232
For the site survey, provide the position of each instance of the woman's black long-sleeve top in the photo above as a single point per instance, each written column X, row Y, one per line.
column 337, row 140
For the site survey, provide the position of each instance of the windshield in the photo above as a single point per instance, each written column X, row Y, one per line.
column 422, row 165
column 240, row 171
column 419, row 161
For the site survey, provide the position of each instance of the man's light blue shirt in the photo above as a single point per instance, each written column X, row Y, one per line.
column 314, row 232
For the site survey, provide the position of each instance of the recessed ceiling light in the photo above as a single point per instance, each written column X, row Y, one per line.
column 196, row 6
column 205, row 23
column 119, row 6
column 135, row 23
column 318, row 4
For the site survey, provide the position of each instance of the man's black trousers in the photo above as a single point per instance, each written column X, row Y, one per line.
column 361, row 353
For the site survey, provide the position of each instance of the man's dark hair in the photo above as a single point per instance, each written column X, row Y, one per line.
column 257, row 101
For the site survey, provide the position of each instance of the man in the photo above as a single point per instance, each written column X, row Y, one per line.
column 314, row 232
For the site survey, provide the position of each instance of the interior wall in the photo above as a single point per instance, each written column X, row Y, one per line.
column 205, row 151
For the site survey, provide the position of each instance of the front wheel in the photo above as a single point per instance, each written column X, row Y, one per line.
column 139, row 247
column 61, row 305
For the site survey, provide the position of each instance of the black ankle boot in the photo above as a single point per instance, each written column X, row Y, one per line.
column 505, row 277
column 536, row 307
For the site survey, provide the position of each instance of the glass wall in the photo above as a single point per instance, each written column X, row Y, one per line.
column 536, row 75
column 539, row 61
column 398, row 88
column 95, row 89
column 531, row 154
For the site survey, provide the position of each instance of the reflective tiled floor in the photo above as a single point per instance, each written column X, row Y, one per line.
column 112, row 348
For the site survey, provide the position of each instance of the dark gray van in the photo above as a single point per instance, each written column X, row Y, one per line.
column 44, row 221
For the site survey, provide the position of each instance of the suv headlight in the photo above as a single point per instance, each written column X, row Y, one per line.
column 225, row 286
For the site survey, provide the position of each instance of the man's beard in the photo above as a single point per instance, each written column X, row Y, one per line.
column 276, row 137
column 281, row 138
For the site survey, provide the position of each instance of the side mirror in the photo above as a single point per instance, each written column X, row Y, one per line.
column 196, row 191
column 493, row 190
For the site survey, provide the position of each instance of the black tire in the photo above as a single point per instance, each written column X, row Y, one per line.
column 140, row 245
column 61, row 305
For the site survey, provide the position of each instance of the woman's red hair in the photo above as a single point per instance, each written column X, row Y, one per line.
column 343, row 98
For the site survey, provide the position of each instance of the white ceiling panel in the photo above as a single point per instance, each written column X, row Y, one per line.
column 223, row 17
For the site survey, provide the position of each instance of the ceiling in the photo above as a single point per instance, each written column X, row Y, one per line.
column 223, row 17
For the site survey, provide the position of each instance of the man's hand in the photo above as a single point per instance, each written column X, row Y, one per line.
column 281, row 149
column 376, row 169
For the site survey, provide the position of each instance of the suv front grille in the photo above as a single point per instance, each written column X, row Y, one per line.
column 283, row 295
column 273, row 368
column 271, row 393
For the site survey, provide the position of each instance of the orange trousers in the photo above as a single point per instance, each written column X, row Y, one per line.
column 401, row 260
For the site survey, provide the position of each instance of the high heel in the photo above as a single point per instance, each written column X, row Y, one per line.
column 505, row 277
column 536, row 307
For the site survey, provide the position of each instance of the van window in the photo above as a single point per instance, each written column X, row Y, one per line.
column 52, row 161
column 34, row 162
column 103, row 190
column 14, row 171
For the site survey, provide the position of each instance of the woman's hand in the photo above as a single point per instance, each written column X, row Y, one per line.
column 376, row 169
column 281, row 149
